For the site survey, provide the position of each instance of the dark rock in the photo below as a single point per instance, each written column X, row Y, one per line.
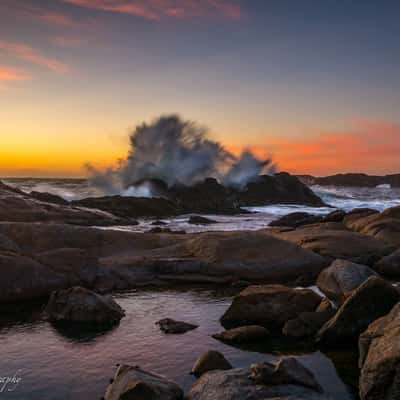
column 380, row 358
column 269, row 306
column 170, row 326
column 131, row 207
column 78, row 304
column 243, row 334
column 296, row 219
column 279, row 188
column 166, row 230
column 210, row 361
column 199, row 220
column 335, row 216
column 133, row 383
column 341, row 278
column 373, row 299
column 48, row 197
column 159, row 222
column 389, row 265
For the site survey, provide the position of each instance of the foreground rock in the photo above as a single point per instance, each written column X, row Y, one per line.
column 379, row 361
column 373, row 299
column 389, row 265
column 333, row 240
column 170, row 326
column 296, row 219
column 269, row 305
column 78, row 304
column 243, row 334
column 136, row 384
column 341, row 278
column 240, row 384
column 210, row 361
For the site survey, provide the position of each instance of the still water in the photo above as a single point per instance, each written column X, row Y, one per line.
column 65, row 364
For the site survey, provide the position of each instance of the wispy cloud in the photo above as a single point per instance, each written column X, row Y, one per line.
column 33, row 56
column 12, row 74
column 65, row 41
column 158, row 9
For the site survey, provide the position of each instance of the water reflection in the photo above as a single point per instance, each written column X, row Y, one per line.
column 70, row 363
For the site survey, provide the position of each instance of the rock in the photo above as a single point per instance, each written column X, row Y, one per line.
column 243, row 334
column 380, row 358
column 78, row 304
column 307, row 324
column 384, row 226
column 170, row 326
column 256, row 256
column 134, row 383
column 159, row 222
column 287, row 371
column 199, row 220
column 389, row 265
column 48, row 197
column 210, row 361
column 352, row 180
column 269, row 306
column 358, row 311
column 341, row 278
column 335, row 216
column 166, row 230
column 334, row 241
column 17, row 206
column 236, row 384
column 296, row 219
column 279, row 188
column 131, row 207
column 325, row 305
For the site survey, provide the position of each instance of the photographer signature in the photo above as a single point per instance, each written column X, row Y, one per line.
column 10, row 383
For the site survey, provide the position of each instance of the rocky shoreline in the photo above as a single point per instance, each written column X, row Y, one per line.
column 48, row 246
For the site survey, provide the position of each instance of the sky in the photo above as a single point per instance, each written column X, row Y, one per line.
column 314, row 84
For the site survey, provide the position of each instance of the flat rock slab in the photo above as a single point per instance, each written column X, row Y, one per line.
column 170, row 326
column 243, row 334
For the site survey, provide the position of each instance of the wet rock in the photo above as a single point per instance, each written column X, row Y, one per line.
column 296, row 219
column 48, row 197
column 269, row 306
column 166, row 230
column 238, row 384
column 389, row 265
column 210, row 361
column 243, row 334
column 159, row 222
column 287, row 371
column 335, row 216
column 373, row 299
column 341, row 278
column 334, row 241
column 170, row 326
column 379, row 360
column 325, row 305
column 134, row 383
column 78, row 304
column 279, row 188
column 199, row 220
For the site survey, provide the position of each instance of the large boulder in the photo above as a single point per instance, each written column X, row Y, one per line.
column 389, row 265
column 210, row 361
column 341, row 278
column 292, row 382
column 373, row 299
column 257, row 256
column 384, row 226
column 78, row 304
column 133, row 383
column 379, row 360
column 243, row 334
column 332, row 240
column 269, row 305
column 296, row 219
column 279, row 188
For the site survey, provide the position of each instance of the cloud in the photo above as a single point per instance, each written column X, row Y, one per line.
column 33, row 56
column 54, row 18
column 65, row 41
column 158, row 9
column 367, row 146
column 11, row 74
